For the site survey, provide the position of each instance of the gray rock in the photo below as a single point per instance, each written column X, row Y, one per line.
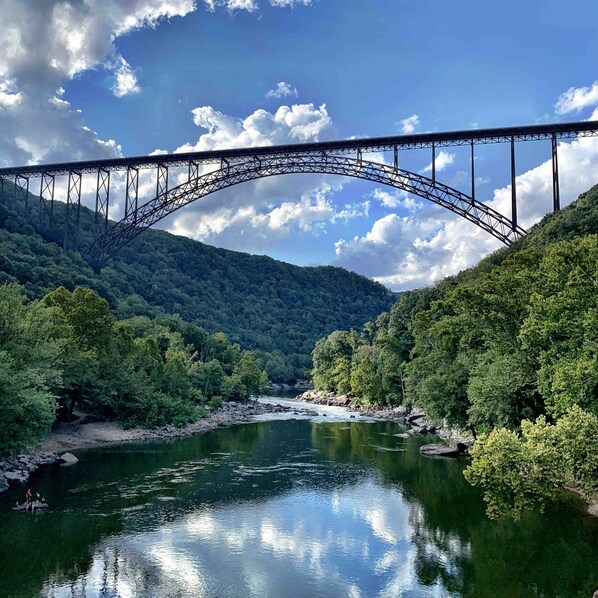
column 343, row 400
column 438, row 450
column 16, row 477
column 3, row 484
column 415, row 416
column 68, row 459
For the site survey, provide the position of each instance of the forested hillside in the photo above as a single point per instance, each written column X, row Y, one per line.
column 509, row 342
column 277, row 309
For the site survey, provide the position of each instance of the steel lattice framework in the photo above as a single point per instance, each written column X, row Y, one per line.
column 170, row 201
column 236, row 166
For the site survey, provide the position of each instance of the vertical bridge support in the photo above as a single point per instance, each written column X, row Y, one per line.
column 73, row 211
column 102, row 202
column 193, row 170
column 161, row 180
column 556, row 194
column 46, row 196
column 513, row 186
column 472, row 172
column 132, row 191
column 22, row 189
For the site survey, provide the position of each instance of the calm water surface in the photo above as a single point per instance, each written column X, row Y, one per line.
column 304, row 508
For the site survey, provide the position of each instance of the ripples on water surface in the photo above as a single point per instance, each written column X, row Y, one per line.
column 284, row 508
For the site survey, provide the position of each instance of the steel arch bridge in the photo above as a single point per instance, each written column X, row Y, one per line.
column 345, row 158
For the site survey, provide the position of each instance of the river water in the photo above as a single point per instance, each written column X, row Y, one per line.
column 331, row 506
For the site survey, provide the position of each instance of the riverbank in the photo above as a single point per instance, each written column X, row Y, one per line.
column 460, row 442
column 77, row 435
column 415, row 418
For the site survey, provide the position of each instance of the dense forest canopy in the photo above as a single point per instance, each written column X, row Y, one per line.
column 276, row 309
column 69, row 351
column 512, row 341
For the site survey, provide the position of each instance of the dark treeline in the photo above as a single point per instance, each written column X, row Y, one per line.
column 68, row 351
column 510, row 342
column 276, row 309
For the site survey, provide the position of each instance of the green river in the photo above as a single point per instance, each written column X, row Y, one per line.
column 324, row 507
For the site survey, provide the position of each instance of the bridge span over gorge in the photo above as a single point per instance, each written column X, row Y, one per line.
column 211, row 171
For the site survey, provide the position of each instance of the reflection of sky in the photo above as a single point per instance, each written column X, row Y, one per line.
column 351, row 541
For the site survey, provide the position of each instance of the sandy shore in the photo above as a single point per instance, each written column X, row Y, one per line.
column 67, row 437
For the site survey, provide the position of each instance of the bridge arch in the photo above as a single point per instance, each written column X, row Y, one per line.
column 258, row 167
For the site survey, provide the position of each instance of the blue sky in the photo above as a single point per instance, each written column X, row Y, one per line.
column 97, row 78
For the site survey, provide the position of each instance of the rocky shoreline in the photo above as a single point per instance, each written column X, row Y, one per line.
column 77, row 435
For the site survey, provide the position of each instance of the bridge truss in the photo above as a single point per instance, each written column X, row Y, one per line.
column 232, row 167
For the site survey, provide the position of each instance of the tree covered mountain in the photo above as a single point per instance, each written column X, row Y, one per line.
column 277, row 309
column 511, row 341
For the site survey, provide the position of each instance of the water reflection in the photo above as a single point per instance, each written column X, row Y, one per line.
column 288, row 508
column 354, row 542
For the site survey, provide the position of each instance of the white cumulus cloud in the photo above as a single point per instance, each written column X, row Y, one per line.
column 396, row 198
column 44, row 44
column 282, row 90
column 577, row 98
column 443, row 159
column 125, row 81
column 251, row 5
column 409, row 124
column 299, row 122
column 283, row 3
column 259, row 214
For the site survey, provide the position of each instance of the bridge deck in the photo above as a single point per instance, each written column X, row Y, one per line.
column 374, row 144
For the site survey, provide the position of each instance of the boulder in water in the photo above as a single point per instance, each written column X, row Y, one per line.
column 67, row 459
column 439, row 450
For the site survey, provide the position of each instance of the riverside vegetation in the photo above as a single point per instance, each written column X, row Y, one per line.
column 507, row 351
column 68, row 350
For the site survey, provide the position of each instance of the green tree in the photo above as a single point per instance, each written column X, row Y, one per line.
column 521, row 471
column 250, row 374
column 30, row 372
column 561, row 330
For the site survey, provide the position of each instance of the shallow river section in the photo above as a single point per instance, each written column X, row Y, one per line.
column 327, row 507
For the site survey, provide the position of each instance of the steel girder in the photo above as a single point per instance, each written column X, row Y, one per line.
column 258, row 167
column 349, row 146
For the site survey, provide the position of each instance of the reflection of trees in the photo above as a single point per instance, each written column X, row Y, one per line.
column 456, row 544
column 110, row 572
